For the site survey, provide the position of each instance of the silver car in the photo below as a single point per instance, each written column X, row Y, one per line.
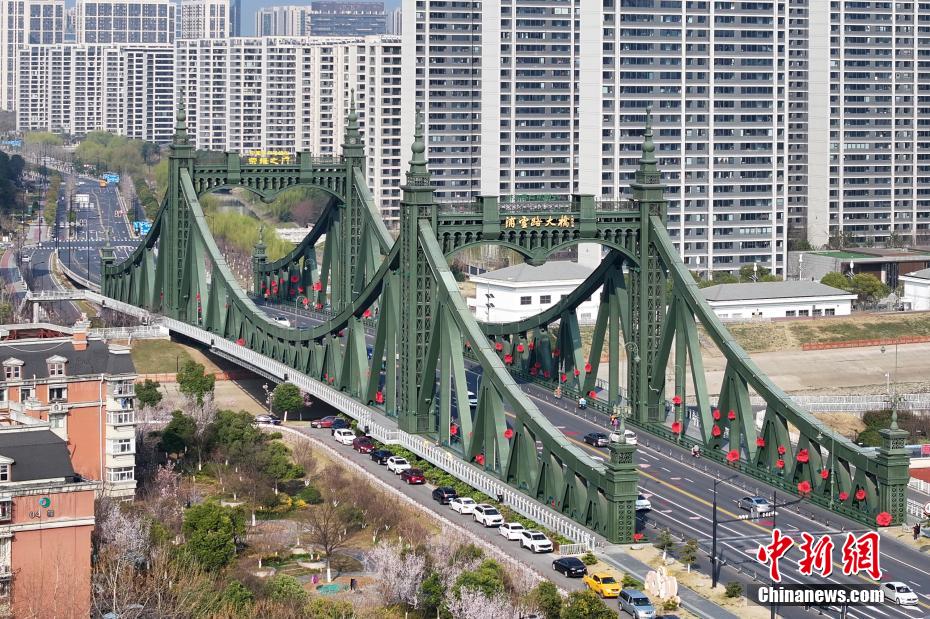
column 755, row 503
column 637, row 604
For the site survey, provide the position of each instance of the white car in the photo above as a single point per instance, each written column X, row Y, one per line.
column 344, row 436
column 511, row 530
column 281, row 320
column 487, row 515
column 642, row 503
column 463, row 505
column 899, row 593
column 535, row 541
column 398, row 465
column 629, row 434
column 758, row 504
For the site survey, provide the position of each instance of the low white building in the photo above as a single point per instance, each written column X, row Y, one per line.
column 766, row 300
column 520, row 291
column 917, row 289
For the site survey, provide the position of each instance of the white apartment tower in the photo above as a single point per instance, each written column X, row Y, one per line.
column 205, row 19
column 24, row 22
column 282, row 21
column 275, row 93
column 125, row 21
column 75, row 89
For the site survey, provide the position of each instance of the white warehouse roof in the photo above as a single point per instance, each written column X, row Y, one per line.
column 770, row 290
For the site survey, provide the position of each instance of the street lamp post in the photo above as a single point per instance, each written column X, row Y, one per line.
column 713, row 543
column 832, row 464
column 488, row 305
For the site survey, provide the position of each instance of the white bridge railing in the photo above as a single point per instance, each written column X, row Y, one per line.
column 143, row 332
column 919, row 485
column 385, row 429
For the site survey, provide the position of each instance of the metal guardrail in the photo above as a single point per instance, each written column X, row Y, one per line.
column 573, row 549
column 77, row 279
column 140, row 333
column 384, row 429
column 919, row 485
column 915, row 509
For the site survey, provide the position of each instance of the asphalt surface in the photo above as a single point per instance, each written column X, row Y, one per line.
column 680, row 488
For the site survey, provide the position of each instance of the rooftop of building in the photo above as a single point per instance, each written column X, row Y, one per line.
column 523, row 273
column 98, row 358
column 890, row 254
column 36, row 454
column 770, row 290
column 921, row 274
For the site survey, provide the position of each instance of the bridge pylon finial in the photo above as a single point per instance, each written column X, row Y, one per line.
column 180, row 120
column 418, row 148
column 649, row 147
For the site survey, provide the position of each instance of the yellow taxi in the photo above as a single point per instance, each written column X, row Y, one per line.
column 603, row 584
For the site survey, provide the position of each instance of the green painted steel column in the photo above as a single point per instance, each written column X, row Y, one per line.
column 893, row 471
column 416, row 290
column 258, row 261
column 351, row 214
column 621, row 491
column 648, row 285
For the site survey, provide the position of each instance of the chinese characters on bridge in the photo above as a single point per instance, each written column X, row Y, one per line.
column 268, row 157
column 859, row 554
column 562, row 221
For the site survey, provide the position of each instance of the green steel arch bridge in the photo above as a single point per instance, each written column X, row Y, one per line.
column 395, row 335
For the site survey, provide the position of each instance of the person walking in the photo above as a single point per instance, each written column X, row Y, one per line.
column 582, row 403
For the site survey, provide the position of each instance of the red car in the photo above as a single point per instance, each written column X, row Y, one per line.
column 413, row 476
column 363, row 445
column 324, row 422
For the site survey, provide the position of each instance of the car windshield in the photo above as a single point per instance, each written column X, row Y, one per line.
column 608, row 580
column 490, row 511
column 399, row 461
column 640, row 601
column 903, row 589
column 538, row 536
column 469, row 501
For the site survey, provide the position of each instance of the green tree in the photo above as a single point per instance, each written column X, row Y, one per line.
column 722, row 277
column 665, row 543
column 325, row 608
column 545, row 596
column 487, row 578
column 689, row 552
column 585, row 605
column 286, row 397
column 6, row 312
column 431, row 594
column 194, row 382
column 868, row 287
column 42, row 138
column 148, row 393
column 287, row 590
column 275, row 462
column 235, row 436
column 746, row 273
column 835, row 279
column 734, row 589
column 178, row 435
column 211, row 532
column 237, row 597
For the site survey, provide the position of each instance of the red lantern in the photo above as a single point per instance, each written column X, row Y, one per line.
column 716, row 415
column 537, row 365
column 803, row 456
column 563, row 378
column 318, row 306
column 240, row 341
column 264, row 285
column 306, row 301
column 532, row 346
column 587, row 367
column 638, row 537
column 716, row 431
column 760, row 442
column 508, row 434
column 508, row 359
column 534, row 371
column 546, row 374
column 780, row 464
column 577, row 372
column 824, row 474
column 676, row 400
column 676, row 427
column 733, row 455
column 294, row 279
column 498, row 347
column 883, row 519
column 366, row 314
column 804, row 487
column 519, row 347
column 731, row 415
column 318, row 286
column 843, row 496
column 379, row 397
column 781, row 450
column 198, row 296
column 453, row 429
column 341, row 333
column 325, row 376
column 555, row 353
column 592, row 394
column 480, row 459
column 860, row 494
column 300, row 289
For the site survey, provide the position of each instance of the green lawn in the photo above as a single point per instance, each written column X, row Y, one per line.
column 157, row 356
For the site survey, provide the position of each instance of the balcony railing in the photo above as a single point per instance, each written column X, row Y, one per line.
column 121, row 418
column 123, row 390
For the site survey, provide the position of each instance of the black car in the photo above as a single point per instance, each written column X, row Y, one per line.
column 597, row 439
column 570, row 566
column 444, row 494
column 338, row 424
column 381, row 455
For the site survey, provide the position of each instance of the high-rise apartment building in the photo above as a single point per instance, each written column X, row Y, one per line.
column 24, row 22
column 235, row 18
column 394, row 23
column 330, row 18
column 272, row 93
column 125, row 21
column 205, row 19
column 282, row 21
column 74, row 89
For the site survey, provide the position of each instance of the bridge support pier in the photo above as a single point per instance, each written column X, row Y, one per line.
column 893, row 471
column 622, row 479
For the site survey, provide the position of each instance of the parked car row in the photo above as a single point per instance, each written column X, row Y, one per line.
column 602, row 439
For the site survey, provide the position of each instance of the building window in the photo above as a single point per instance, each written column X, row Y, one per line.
column 56, row 422
column 6, row 510
column 122, row 446
column 790, row 313
column 119, row 418
column 804, row 313
column 818, row 312
column 829, row 312
column 4, row 472
column 56, row 369
column 3, row 395
column 545, row 299
column 57, row 394
column 25, row 393
column 526, row 300
column 12, row 372
column 122, row 473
